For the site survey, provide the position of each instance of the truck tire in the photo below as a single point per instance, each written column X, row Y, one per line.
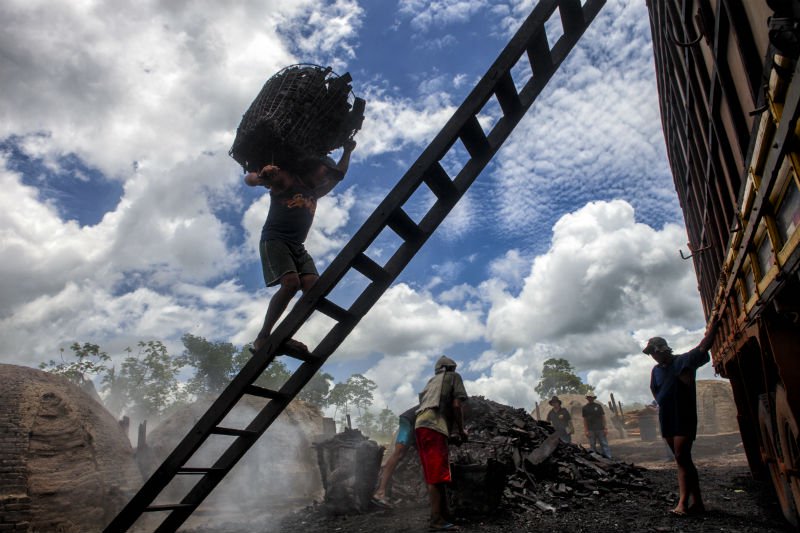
column 789, row 438
column 770, row 456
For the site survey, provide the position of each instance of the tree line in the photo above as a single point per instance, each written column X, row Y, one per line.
column 146, row 384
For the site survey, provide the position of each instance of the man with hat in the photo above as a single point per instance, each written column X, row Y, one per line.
column 561, row 420
column 439, row 418
column 672, row 382
column 594, row 420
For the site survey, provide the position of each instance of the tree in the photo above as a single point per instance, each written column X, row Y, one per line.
column 317, row 390
column 91, row 361
column 387, row 424
column 356, row 392
column 148, row 381
column 558, row 377
column 360, row 391
column 213, row 363
column 368, row 423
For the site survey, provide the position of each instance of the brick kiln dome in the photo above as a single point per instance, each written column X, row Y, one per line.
column 67, row 464
column 716, row 409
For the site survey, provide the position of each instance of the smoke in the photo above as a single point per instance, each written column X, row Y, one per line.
column 277, row 475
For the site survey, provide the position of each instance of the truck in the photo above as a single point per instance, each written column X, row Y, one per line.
column 729, row 95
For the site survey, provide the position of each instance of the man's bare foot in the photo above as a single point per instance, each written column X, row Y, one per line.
column 679, row 511
column 295, row 346
column 259, row 343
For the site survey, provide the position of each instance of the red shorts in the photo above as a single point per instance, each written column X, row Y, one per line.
column 433, row 455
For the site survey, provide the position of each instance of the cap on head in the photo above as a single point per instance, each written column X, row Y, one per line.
column 591, row 395
column 554, row 400
column 445, row 363
column 656, row 344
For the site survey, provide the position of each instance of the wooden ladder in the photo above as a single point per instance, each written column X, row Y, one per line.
column 542, row 60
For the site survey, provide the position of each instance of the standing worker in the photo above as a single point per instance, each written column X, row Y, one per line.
column 293, row 194
column 405, row 440
column 594, row 420
column 561, row 420
column 672, row 382
column 440, row 417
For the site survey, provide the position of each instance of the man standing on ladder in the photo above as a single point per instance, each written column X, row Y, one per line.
column 293, row 196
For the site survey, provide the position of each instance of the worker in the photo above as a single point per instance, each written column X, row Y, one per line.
column 561, row 420
column 293, row 196
column 440, row 417
column 672, row 382
column 405, row 440
column 594, row 422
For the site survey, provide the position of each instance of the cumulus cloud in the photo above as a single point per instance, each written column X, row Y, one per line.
column 605, row 285
column 424, row 15
column 406, row 320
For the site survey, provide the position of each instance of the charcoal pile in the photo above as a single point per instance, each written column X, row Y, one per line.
column 510, row 454
column 303, row 111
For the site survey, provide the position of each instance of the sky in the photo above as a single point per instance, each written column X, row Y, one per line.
column 123, row 218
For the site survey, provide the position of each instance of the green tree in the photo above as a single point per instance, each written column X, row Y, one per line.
column 387, row 422
column 360, row 389
column 355, row 392
column 90, row 361
column 148, row 381
column 317, row 390
column 368, row 423
column 215, row 364
column 558, row 377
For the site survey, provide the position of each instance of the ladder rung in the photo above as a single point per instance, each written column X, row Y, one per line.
column 167, row 507
column 507, row 95
column 473, row 137
column 261, row 392
column 334, row 311
column 539, row 54
column 404, row 226
column 439, row 182
column 370, row 268
column 234, row 432
column 191, row 470
column 572, row 18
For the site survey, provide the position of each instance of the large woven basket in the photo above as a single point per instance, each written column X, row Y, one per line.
column 303, row 111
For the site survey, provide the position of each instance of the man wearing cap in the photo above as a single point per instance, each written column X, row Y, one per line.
column 440, row 417
column 293, row 194
column 672, row 382
column 560, row 419
column 594, row 420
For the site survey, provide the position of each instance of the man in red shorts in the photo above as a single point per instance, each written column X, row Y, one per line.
column 438, row 418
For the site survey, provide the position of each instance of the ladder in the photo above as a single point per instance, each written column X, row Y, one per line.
column 542, row 60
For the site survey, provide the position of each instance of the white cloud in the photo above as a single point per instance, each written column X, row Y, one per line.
column 405, row 320
column 604, row 275
column 425, row 15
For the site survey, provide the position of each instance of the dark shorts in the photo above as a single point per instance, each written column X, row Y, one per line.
column 433, row 454
column 281, row 257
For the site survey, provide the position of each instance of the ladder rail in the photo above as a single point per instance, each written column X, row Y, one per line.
column 530, row 39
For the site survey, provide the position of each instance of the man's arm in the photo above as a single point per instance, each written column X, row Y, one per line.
column 344, row 161
column 263, row 178
column 708, row 340
column 341, row 166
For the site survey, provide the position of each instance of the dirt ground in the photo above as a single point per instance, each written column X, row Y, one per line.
column 735, row 502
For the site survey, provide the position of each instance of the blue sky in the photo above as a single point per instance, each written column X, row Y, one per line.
column 123, row 218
